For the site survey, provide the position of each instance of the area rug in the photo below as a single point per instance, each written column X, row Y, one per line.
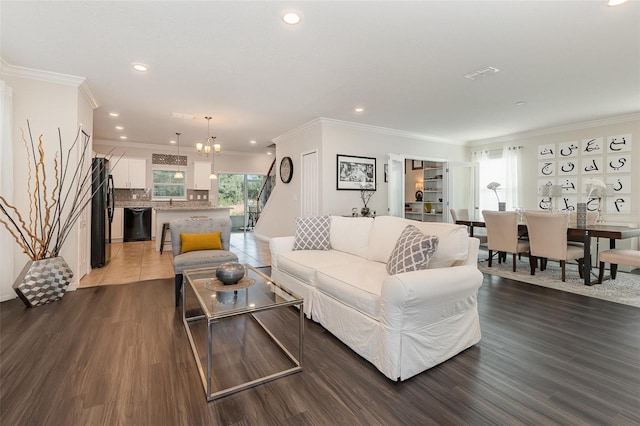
column 624, row 289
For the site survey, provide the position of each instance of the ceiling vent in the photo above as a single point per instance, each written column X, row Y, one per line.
column 182, row 116
column 478, row 74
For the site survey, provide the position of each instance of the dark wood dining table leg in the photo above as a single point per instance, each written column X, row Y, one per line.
column 586, row 266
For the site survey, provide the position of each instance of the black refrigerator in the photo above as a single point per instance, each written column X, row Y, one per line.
column 102, row 204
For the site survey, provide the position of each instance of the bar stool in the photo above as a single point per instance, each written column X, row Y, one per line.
column 165, row 228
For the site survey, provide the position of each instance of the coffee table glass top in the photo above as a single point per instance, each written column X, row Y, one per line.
column 262, row 294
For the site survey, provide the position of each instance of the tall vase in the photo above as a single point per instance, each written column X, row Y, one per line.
column 43, row 281
column 581, row 215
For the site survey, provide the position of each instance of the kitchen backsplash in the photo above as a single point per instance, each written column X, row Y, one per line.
column 125, row 195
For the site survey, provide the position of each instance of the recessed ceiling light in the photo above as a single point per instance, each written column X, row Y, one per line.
column 269, row 153
column 359, row 109
column 140, row 67
column 616, row 2
column 252, row 142
column 123, row 137
column 114, row 114
column 291, row 18
column 119, row 128
column 172, row 142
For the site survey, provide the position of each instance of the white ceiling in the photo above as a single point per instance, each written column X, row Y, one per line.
column 404, row 62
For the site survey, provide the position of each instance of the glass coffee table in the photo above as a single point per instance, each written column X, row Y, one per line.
column 254, row 294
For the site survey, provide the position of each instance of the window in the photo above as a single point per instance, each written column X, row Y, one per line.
column 502, row 166
column 166, row 186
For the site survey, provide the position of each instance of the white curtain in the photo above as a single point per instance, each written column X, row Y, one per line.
column 7, row 244
column 512, row 177
column 488, row 171
column 502, row 166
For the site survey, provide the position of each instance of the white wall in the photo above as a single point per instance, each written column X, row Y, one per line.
column 330, row 138
column 629, row 124
column 278, row 216
column 85, row 120
column 7, row 244
column 225, row 162
column 368, row 141
column 48, row 106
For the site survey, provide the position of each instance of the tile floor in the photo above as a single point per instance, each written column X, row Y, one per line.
column 139, row 261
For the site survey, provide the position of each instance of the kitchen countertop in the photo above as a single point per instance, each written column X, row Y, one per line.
column 164, row 205
column 179, row 207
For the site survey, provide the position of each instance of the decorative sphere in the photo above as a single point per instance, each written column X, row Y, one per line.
column 230, row 272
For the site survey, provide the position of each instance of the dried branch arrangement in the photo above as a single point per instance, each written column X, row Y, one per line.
column 52, row 210
column 366, row 192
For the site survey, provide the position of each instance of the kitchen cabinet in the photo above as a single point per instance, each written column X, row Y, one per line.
column 130, row 173
column 201, row 172
column 117, row 226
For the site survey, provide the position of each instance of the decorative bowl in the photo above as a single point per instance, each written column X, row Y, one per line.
column 230, row 272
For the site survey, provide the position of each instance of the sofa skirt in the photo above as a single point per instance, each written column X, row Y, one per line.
column 399, row 355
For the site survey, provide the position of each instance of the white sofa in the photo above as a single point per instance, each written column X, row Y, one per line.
column 403, row 324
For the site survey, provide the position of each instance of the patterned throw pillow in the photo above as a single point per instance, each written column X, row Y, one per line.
column 312, row 233
column 412, row 251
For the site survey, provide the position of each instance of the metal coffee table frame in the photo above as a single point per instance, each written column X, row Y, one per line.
column 206, row 375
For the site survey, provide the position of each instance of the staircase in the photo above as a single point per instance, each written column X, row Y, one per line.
column 267, row 186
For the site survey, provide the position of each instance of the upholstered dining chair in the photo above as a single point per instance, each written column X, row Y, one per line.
column 459, row 214
column 463, row 214
column 502, row 234
column 548, row 240
column 617, row 257
column 199, row 243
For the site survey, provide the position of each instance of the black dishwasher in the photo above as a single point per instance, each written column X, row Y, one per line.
column 137, row 224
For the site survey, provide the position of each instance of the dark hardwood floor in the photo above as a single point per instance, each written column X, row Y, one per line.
column 118, row 355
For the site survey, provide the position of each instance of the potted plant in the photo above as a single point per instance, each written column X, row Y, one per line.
column 55, row 204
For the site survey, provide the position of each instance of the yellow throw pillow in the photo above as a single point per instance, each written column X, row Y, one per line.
column 194, row 242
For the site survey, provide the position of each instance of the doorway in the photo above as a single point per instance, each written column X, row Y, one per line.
column 239, row 192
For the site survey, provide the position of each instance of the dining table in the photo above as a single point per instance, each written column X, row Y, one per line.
column 575, row 233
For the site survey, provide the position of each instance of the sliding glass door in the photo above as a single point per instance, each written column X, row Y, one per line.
column 239, row 192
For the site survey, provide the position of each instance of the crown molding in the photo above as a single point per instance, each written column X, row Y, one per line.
column 88, row 94
column 52, row 77
column 635, row 116
column 291, row 133
column 387, row 131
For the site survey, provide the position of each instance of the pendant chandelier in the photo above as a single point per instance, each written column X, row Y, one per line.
column 209, row 147
column 178, row 174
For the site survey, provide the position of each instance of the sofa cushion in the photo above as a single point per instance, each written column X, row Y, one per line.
column 312, row 233
column 303, row 264
column 194, row 242
column 356, row 285
column 412, row 251
column 453, row 242
column 350, row 234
